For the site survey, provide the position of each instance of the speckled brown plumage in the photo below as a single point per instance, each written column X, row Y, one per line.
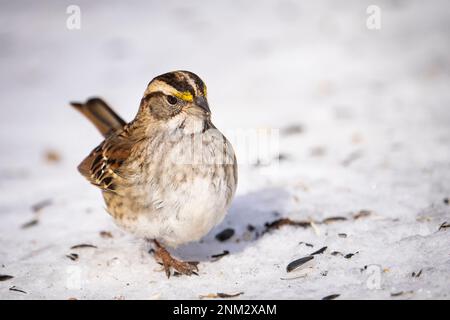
column 168, row 175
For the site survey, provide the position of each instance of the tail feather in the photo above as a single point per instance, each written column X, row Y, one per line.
column 101, row 115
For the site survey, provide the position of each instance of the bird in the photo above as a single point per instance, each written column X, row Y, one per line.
column 168, row 176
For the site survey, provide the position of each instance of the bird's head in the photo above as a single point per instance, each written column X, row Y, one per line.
column 173, row 93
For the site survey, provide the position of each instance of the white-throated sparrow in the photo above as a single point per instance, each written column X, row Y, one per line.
column 169, row 175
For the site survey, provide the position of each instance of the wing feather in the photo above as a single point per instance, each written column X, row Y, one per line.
column 102, row 166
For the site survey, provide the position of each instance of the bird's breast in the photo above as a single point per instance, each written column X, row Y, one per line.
column 181, row 187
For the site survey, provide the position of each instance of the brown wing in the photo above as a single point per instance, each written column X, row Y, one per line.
column 102, row 166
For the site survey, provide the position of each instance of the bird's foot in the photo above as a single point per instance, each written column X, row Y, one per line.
column 182, row 267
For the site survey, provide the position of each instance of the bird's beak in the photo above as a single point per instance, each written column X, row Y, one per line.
column 202, row 103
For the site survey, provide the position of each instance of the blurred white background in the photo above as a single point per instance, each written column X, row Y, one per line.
column 373, row 107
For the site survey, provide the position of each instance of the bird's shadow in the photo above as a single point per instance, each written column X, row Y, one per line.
column 247, row 218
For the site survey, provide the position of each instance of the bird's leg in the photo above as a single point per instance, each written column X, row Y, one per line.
column 187, row 268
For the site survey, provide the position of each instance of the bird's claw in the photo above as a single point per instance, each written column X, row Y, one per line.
column 182, row 267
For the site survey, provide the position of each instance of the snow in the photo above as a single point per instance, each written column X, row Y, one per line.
column 373, row 105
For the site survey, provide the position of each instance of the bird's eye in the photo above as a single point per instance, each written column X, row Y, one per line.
column 172, row 100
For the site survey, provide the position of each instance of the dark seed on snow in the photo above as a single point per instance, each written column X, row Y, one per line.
column 320, row 251
column 416, row 275
column 342, row 235
column 331, row 297
column 14, row 288
column 297, row 263
column 72, row 256
column 41, row 205
column 396, row 294
column 4, row 277
column 349, row 255
column 444, row 225
column 292, row 129
column 306, row 244
column 106, row 234
column 447, row 201
column 333, row 219
column 283, row 157
column 286, row 222
column 220, row 255
column 83, row 245
column 227, row 295
column 362, row 214
column 225, row 234
column 30, row 224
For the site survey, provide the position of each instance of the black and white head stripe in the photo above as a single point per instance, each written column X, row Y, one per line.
column 183, row 82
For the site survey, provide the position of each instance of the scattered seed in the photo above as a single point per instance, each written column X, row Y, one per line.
column 342, row 235
column 292, row 129
column 351, row 157
column 14, row 288
column 251, row 233
column 306, row 244
column 337, row 253
column 333, row 219
column 276, row 214
column 362, row 214
column 318, row 151
column 218, row 256
column 72, row 256
column 447, row 201
column 225, row 234
column 83, row 245
column 444, row 225
column 324, row 273
column 226, row 295
column 349, row 255
column 30, row 224
column 298, row 263
column 106, row 234
column 293, row 278
column 320, row 251
column 220, row 295
column 286, row 222
column 41, row 205
column 416, row 275
column 52, row 156
column 4, row 277
column 400, row 293
column 331, row 297
column 283, row 157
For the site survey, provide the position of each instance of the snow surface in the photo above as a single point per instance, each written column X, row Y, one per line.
column 373, row 106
